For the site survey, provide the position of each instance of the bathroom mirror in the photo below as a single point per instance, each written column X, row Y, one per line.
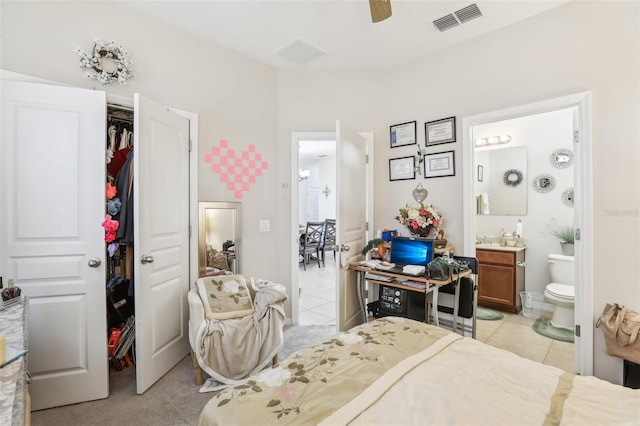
column 218, row 237
column 501, row 190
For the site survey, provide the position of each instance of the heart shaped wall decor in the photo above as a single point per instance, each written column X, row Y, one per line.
column 238, row 172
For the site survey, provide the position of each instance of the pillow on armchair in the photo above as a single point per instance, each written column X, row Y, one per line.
column 225, row 297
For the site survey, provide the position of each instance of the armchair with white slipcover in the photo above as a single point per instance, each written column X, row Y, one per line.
column 235, row 330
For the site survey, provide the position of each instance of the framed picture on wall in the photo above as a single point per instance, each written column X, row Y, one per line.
column 403, row 134
column 439, row 164
column 440, row 131
column 402, row 168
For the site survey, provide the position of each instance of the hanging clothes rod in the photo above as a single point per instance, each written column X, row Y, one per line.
column 119, row 119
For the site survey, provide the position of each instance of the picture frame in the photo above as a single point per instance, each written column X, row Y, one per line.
column 439, row 164
column 403, row 134
column 440, row 131
column 480, row 173
column 403, row 168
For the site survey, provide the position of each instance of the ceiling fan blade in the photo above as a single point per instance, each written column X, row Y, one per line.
column 380, row 9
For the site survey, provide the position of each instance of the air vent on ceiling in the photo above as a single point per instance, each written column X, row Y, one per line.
column 300, row 52
column 458, row 17
column 446, row 22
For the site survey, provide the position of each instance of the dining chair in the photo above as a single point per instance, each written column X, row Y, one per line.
column 329, row 238
column 310, row 242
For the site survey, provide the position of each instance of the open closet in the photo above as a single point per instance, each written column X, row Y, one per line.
column 118, row 226
column 55, row 176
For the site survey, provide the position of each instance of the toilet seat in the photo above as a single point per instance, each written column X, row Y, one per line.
column 561, row 291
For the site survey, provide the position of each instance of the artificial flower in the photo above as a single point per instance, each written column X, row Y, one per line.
column 113, row 206
column 112, row 248
column 110, row 227
column 111, row 191
column 420, row 219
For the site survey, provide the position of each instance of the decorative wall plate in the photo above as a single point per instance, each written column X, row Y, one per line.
column 512, row 177
column 567, row 197
column 420, row 193
column 544, row 183
column 561, row 158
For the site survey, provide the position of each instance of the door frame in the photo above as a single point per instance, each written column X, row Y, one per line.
column 293, row 192
column 583, row 210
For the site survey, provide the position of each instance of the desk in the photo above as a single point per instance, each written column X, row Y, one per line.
column 431, row 286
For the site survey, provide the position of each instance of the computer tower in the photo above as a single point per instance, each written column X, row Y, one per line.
column 399, row 302
column 393, row 301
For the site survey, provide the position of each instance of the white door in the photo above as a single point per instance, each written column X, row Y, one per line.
column 52, row 160
column 161, row 236
column 351, row 169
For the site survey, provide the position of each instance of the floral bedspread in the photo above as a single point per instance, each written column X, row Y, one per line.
column 314, row 382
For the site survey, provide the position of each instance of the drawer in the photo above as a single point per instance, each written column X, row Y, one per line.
column 494, row 256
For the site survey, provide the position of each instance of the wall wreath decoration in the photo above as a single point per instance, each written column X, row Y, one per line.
column 108, row 61
column 512, row 177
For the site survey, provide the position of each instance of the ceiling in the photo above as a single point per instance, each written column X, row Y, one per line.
column 340, row 31
column 315, row 150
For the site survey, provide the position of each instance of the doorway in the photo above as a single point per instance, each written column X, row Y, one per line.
column 317, row 278
column 575, row 110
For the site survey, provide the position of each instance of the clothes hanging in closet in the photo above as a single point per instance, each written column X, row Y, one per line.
column 124, row 184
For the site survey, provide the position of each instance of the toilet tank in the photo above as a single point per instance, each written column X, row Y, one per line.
column 561, row 268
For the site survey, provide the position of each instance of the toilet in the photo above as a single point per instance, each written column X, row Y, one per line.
column 561, row 291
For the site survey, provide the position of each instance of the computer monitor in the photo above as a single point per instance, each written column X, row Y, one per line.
column 411, row 251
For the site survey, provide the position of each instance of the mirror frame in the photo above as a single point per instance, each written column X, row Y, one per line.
column 203, row 206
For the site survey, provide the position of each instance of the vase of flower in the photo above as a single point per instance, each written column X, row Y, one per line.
column 427, row 232
column 421, row 221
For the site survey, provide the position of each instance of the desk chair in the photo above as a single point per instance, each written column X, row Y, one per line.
column 468, row 303
column 329, row 238
column 310, row 242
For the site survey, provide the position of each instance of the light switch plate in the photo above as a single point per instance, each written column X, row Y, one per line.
column 265, row 225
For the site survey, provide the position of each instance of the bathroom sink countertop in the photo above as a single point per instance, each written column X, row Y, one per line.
column 499, row 248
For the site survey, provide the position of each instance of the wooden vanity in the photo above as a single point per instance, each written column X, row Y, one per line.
column 500, row 278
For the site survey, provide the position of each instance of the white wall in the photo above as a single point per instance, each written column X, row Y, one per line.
column 322, row 173
column 235, row 97
column 327, row 172
column 580, row 46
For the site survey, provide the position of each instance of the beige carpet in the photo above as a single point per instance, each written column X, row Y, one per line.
column 174, row 400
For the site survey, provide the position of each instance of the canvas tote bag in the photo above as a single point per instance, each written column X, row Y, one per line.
column 621, row 327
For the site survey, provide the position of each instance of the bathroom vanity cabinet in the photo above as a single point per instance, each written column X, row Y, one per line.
column 501, row 277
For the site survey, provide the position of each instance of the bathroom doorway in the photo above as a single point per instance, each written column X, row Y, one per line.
column 570, row 117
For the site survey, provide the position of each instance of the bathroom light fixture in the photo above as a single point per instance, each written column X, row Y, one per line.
column 303, row 174
column 493, row 140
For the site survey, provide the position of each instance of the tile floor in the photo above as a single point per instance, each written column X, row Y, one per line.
column 514, row 333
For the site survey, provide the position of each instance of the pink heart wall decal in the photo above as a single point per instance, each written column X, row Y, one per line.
column 238, row 172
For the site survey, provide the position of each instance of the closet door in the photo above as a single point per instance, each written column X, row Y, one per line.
column 161, row 235
column 52, row 203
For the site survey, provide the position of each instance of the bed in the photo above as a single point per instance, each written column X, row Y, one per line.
column 396, row 371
